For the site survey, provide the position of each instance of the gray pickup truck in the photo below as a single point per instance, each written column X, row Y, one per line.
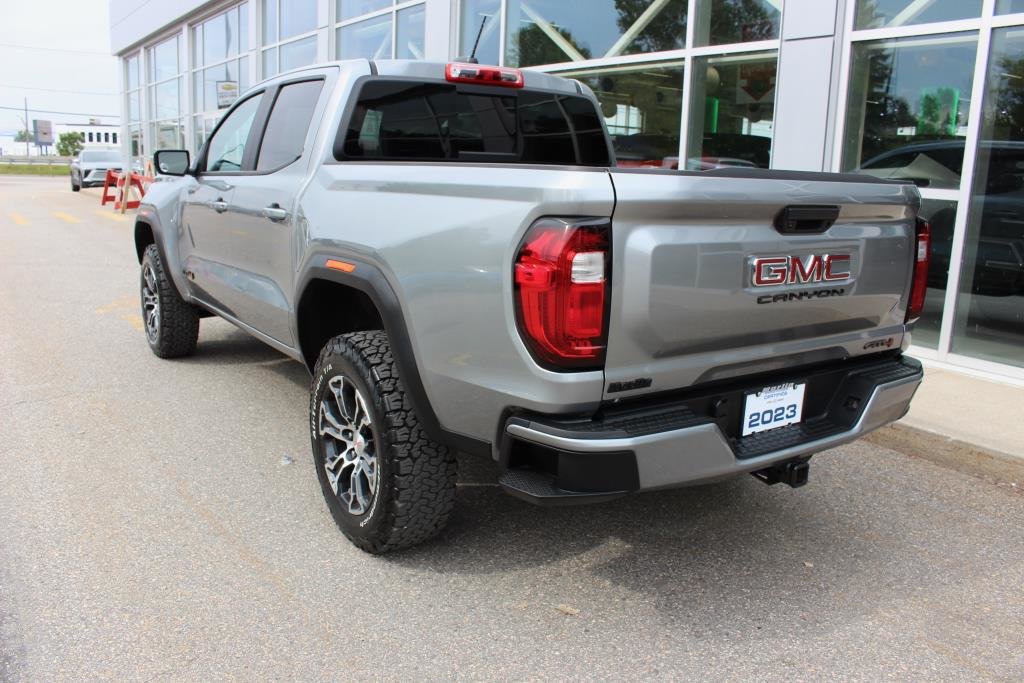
column 453, row 254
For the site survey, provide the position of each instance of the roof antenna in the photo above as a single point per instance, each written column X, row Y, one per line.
column 471, row 59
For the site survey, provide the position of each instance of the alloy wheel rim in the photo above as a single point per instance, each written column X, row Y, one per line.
column 350, row 448
column 150, row 303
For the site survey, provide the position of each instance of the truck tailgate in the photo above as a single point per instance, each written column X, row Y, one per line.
column 686, row 306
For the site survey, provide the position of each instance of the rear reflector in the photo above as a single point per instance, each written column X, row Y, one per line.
column 484, row 75
column 922, row 257
column 561, row 289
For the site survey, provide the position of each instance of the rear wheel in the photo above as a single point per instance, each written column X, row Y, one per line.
column 171, row 324
column 387, row 485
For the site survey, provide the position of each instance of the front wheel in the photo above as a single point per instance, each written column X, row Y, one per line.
column 387, row 485
column 75, row 187
column 171, row 323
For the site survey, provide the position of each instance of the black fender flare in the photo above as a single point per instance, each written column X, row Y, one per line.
column 371, row 281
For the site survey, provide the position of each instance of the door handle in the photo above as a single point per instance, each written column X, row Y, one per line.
column 275, row 213
column 220, row 206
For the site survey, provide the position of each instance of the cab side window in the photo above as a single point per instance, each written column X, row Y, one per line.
column 227, row 145
column 288, row 124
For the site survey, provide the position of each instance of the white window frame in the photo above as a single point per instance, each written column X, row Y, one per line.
column 983, row 26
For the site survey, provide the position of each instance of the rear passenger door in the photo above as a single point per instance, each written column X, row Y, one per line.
column 266, row 229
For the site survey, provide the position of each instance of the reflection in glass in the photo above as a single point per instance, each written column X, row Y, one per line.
column 370, row 39
column 907, row 110
column 1009, row 6
column 134, row 105
column 165, row 102
column 206, row 96
column 163, row 60
column 269, row 21
column 990, row 308
column 733, row 111
column 737, row 21
column 553, row 31
column 642, row 106
column 299, row 16
column 132, row 66
column 298, row 53
column 878, row 13
column 411, row 33
column 270, row 62
column 475, row 12
column 942, row 216
column 168, row 135
column 349, row 9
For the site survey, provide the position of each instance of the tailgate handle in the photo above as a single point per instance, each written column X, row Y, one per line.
column 805, row 219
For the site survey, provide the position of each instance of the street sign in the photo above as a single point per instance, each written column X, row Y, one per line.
column 43, row 132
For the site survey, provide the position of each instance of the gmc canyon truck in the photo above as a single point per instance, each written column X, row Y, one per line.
column 452, row 252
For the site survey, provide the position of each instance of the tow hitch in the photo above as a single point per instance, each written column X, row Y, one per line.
column 792, row 472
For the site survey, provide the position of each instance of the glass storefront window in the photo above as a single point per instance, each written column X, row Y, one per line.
column 349, row 9
column 132, row 72
column 990, row 308
column 1009, row 6
column 642, row 106
column 134, row 106
column 298, row 53
column 206, row 80
column 163, row 60
column 411, row 31
column 907, row 111
column 733, row 111
column 737, row 21
column 473, row 14
column 297, row 17
column 553, row 31
column 165, row 102
column 370, row 39
column 879, row 13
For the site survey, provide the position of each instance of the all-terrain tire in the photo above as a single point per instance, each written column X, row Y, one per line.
column 176, row 328
column 415, row 482
column 74, row 187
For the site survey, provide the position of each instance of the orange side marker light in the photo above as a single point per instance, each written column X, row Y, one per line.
column 343, row 266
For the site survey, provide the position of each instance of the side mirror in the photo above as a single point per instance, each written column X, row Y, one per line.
column 171, row 162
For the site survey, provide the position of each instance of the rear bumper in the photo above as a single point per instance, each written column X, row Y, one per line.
column 677, row 445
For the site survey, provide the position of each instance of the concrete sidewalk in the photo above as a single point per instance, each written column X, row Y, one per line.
column 964, row 422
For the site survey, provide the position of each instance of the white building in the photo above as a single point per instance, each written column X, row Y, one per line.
column 95, row 133
column 928, row 90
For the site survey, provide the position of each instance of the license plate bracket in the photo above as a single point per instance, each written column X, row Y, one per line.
column 772, row 407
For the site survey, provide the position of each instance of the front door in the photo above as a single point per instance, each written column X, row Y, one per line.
column 264, row 228
column 210, row 239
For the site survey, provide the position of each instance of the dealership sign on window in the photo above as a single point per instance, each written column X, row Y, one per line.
column 227, row 93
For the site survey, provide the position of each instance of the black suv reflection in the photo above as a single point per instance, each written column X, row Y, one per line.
column 997, row 244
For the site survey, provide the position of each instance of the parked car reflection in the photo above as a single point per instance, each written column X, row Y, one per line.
column 993, row 270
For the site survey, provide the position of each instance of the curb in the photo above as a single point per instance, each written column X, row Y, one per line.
column 951, row 453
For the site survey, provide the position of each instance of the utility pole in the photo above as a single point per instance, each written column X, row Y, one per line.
column 27, row 153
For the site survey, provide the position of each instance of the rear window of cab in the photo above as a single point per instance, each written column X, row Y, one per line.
column 415, row 121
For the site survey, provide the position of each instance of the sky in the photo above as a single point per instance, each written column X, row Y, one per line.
column 57, row 54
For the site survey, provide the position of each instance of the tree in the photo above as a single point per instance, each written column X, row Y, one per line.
column 23, row 136
column 70, row 144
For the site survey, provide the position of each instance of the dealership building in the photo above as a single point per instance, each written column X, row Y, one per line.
column 930, row 91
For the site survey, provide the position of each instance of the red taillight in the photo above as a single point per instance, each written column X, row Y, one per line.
column 561, row 286
column 922, row 256
column 484, row 75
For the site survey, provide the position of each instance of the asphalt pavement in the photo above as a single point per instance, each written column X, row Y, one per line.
column 161, row 520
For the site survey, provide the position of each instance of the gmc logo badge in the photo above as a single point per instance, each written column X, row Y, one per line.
column 794, row 270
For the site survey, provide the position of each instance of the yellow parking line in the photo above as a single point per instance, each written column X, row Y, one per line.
column 66, row 217
column 119, row 217
column 18, row 218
